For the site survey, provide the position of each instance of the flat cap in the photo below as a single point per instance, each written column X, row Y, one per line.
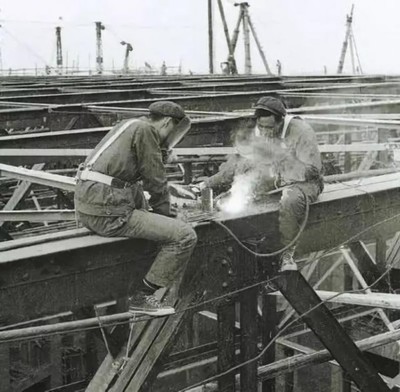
column 167, row 108
column 272, row 105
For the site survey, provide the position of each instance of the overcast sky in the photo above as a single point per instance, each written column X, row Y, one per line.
column 305, row 35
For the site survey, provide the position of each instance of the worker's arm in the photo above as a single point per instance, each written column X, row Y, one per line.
column 151, row 169
column 224, row 177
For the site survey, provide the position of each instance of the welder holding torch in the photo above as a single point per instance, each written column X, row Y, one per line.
column 282, row 151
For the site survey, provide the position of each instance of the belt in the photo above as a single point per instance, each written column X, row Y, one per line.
column 90, row 175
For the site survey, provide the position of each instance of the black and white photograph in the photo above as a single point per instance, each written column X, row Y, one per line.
column 199, row 196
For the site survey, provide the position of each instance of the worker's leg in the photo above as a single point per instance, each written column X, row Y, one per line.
column 292, row 213
column 177, row 240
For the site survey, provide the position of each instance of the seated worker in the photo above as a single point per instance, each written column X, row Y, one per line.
column 288, row 149
column 109, row 197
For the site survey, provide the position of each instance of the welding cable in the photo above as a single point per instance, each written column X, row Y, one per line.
column 279, row 251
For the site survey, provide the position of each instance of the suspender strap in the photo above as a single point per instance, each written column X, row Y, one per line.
column 286, row 123
column 110, row 141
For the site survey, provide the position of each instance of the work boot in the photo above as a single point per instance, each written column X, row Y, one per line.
column 287, row 261
column 141, row 303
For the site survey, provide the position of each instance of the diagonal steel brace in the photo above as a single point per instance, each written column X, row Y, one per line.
column 321, row 321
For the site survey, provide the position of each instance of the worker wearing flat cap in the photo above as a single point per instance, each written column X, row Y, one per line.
column 285, row 149
column 109, row 198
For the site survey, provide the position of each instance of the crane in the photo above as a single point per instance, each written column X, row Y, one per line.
column 349, row 40
column 99, row 47
column 128, row 49
column 59, row 50
column 248, row 26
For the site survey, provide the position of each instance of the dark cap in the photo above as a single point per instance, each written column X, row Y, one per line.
column 271, row 104
column 167, row 108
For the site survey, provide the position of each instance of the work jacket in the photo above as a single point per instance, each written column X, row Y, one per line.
column 275, row 161
column 296, row 157
column 134, row 157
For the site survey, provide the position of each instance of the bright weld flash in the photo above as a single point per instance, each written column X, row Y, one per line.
column 239, row 196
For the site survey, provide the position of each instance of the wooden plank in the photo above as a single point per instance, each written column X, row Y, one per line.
column 110, row 367
column 156, row 341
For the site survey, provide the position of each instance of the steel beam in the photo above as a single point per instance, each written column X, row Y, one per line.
column 55, row 274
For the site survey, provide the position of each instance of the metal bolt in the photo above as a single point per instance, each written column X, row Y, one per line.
column 229, row 249
column 230, row 271
column 224, row 285
column 224, row 262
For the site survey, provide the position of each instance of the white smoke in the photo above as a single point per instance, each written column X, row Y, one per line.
column 256, row 171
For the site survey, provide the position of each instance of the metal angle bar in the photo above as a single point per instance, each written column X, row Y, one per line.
column 318, row 317
column 260, row 49
column 48, row 179
column 301, row 360
column 184, row 152
column 364, row 285
column 20, row 192
column 356, row 122
column 37, row 216
column 375, row 300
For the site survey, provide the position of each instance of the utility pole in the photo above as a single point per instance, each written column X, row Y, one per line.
column 231, row 56
column 349, row 20
column 99, row 48
column 59, row 51
column 210, row 38
column 246, row 33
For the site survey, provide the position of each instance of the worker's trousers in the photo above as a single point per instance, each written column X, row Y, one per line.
column 292, row 209
column 177, row 240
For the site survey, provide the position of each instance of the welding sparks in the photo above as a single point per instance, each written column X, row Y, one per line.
column 239, row 197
